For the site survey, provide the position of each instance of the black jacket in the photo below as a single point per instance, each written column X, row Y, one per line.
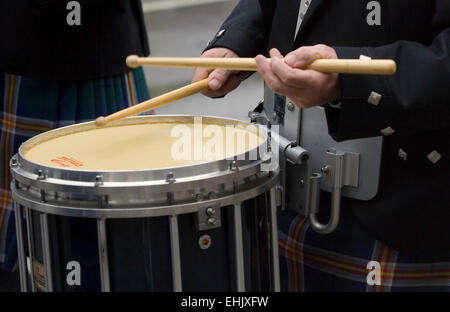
column 36, row 39
column 411, row 211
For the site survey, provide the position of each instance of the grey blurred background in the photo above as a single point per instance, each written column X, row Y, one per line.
column 183, row 28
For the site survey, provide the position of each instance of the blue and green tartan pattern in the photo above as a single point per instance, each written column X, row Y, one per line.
column 338, row 262
column 30, row 106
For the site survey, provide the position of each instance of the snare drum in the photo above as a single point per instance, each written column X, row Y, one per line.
column 152, row 203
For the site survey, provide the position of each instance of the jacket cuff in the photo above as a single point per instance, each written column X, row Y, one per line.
column 236, row 39
column 365, row 102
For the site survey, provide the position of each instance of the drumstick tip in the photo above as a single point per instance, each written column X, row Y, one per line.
column 100, row 121
column 132, row 61
column 393, row 67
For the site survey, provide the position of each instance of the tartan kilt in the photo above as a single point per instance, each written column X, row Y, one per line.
column 339, row 262
column 32, row 105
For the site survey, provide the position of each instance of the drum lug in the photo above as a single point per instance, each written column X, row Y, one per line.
column 208, row 218
column 169, row 178
column 41, row 175
column 14, row 162
column 43, row 198
column 258, row 117
column 234, row 166
column 98, row 180
column 235, row 187
column 198, row 196
column 170, row 198
column 103, row 201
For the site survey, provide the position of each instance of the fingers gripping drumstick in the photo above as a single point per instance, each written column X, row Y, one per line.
column 343, row 66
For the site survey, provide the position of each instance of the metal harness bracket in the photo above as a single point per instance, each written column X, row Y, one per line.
column 341, row 169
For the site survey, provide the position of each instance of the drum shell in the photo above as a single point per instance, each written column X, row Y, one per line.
column 140, row 256
column 136, row 208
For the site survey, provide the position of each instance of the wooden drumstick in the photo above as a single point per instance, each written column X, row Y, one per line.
column 166, row 98
column 342, row 66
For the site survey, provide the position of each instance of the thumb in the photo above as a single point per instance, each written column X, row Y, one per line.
column 199, row 74
column 302, row 57
column 218, row 77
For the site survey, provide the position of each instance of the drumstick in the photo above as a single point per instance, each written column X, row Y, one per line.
column 342, row 66
column 166, row 98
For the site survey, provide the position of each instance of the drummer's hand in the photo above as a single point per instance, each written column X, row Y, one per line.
column 221, row 81
column 304, row 87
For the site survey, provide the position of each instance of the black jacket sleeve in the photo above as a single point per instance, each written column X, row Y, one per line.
column 414, row 100
column 245, row 31
column 39, row 42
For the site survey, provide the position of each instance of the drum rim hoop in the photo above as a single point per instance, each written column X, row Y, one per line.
column 138, row 175
column 166, row 210
column 156, row 186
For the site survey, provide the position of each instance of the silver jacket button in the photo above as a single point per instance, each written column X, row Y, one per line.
column 434, row 157
column 374, row 98
column 402, row 154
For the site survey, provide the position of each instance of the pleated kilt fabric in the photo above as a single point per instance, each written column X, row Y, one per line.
column 30, row 106
column 343, row 261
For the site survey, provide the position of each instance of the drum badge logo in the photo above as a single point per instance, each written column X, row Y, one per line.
column 67, row 162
